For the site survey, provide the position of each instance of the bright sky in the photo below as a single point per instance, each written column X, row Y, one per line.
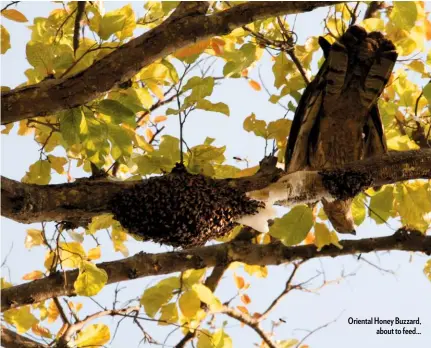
column 368, row 292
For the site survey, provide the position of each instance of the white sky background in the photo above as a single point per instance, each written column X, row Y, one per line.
column 368, row 293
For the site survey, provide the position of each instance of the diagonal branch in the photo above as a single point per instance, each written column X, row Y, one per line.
column 144, row 265
column 50, row 96
column 10, row 339
column 80, row 201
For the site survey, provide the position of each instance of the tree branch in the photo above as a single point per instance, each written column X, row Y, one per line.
column 10, row 339
column 78, row 202
column 50, row 96
column 143, row 265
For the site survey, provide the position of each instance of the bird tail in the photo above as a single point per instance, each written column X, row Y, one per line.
column 339, row 213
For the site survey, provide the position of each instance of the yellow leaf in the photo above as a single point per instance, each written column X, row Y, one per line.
column 255, row 85
column 14, row 15
column 33, row 238
column 5, row 40
column 94, row 253
column 4, row 284
column 90, row 279
column 243, row 309
column 207, row 296
column 75, row 306
column 142, row 143
column 21, row 318
column 247, row 172
column 310, row 238
column 189, row 303
column 159, row 119
column 94, row 335
column 322, row 234
column 258, row 271
column 7, row 129
column 245, row 299
column 149, row 134
column 71, row 254
column 33, row 275
column 155, row 88
column 57, row 163
column 41, row 331
column 427, row 269
column 193, row 276
column 50, row 260
column 373, row 24
column 239, row 281
column 53, row 312
column 169, row 314
column 191, row 50
column 100, row 222
column 413, row 203
column 156, row 296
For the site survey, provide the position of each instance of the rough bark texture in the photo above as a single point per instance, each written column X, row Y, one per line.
column 78, row 202
column 50, row 96
column 143, row 265
column 10, row 339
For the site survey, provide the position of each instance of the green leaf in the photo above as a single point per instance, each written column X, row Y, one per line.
column 293, row 227
column 413, row 203
column 120, row 22
column 358, row 209
column 258, row 127
column 118, row 111
column 404, row 14
column 240, row 59
column 279, row 129
column 57, row 163
column 121, row 140
column 94, row 335
column 21, row 318
column 100, row 222
column 72, row 125
column 39, row 173
column 381, row 205
column 427, row 92
column 40, row 55
column 157, row 296
column 201, row 88
column 90, row 279
column 209, row 106
column 189, row 303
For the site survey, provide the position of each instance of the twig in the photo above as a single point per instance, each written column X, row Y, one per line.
column 9, row 5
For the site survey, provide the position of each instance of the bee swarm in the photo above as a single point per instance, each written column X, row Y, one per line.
column 181, row 209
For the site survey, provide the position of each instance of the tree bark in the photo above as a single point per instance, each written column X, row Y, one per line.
column 10, row 339
column 143, row 265
column 78, row 202
column 50, row 96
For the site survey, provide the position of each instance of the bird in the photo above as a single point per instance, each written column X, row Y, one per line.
column 337, row 120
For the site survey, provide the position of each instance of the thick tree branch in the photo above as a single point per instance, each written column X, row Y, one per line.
column 50, row 96
column 143, row 265
column 80, row 201
column 10, row 339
